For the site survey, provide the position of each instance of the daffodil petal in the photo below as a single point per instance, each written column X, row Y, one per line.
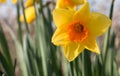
column 69, row 4
column 91, row 44
column 14, row 1
column 72, row 50
column 3, row 1
column 30, row 2
column 66, row 4
column 29, row 14
column 77, row 2
column 83, row 13
column 60, row 37
column 62, row 16
column 98, row 23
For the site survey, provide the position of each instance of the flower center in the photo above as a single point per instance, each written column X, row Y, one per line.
column 77, row 32
column 78, row 28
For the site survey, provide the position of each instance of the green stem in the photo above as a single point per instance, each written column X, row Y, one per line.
column 86, row 63
column 26, row 25
column 83, row 63
column 107, row 36
column 72, row 69
column 107, row 41
column 19, row 24
column 41, row 39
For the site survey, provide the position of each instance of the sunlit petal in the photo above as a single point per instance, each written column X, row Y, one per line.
column 14, row 1
column 77, row 2
column 98, row 23
column 83, row 13
column 72, row 50
column 60, row 37
column 69, row 4
column 30, row 2
column 91, row 44
column 62, row 16
column 3, row 1
column 29, row 14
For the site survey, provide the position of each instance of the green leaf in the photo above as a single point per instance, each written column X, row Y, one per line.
column 5, row 48
column 20, row 53
column 6, row 54
column 115, row 69
column 41, row 43
column 8, row 69
column 109, row 63
column 30, row 56
column 97, row 66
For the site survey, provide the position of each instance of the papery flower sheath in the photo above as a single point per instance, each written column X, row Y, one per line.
column 68, row 3
column 77, row 30
column 29, row 14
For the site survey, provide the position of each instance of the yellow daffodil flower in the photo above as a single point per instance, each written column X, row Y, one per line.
column 30, row 2
column 77, row 30
column 3, row 1
column 68, row 3
column 29, row 14
column 14, row 1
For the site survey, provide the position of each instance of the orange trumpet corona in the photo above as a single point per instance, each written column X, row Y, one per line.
column 77, row 32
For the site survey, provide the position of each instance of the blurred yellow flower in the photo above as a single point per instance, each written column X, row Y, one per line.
column 30, row 2
column 14, row 1
column 29, row 14
column 68, row 3
column 77, row 30
column 3, row 1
